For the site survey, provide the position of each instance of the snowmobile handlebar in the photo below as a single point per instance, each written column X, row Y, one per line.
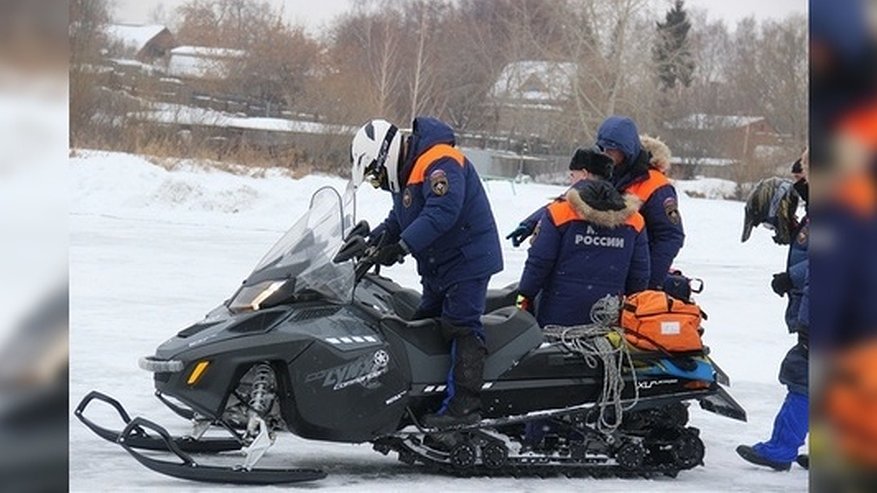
column 358, row 249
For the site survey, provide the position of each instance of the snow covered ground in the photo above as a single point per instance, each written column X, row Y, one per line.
column 153, row 250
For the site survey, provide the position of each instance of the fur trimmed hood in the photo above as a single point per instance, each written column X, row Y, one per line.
column 659, row 151
column 621, row 208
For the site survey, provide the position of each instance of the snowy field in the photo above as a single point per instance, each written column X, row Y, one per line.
column 153, row 250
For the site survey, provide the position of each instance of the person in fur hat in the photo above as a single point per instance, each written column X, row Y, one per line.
column 640, row 164
column 589, row 243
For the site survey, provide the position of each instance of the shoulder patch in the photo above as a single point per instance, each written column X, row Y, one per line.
column 438, row 182
column 671, row 208
column 803, row 234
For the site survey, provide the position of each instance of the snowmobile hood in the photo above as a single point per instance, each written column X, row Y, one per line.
column 216, row 330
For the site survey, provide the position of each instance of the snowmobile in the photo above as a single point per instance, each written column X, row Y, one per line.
column 317, row 343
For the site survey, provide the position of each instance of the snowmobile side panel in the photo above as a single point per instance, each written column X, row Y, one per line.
column 349, row 396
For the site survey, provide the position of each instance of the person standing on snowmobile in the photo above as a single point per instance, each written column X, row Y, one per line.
column 589, row 243
column 441, row 216
column 773, row 203
column 636, row 172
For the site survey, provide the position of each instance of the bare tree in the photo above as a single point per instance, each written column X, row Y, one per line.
column 88, row 21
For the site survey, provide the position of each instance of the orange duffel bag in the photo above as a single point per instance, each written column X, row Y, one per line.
column 655, row 321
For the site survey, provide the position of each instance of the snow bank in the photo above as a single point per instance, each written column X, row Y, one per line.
column 707, row 188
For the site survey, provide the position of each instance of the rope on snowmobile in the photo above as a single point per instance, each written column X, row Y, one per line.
column 593, row 342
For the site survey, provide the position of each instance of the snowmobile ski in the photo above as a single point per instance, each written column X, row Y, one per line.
column 187, row 468
column 139, row 438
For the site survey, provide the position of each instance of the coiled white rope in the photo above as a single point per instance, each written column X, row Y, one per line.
column 593, row 343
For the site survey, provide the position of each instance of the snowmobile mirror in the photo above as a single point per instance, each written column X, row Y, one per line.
column 360, row 229
column 354, row 247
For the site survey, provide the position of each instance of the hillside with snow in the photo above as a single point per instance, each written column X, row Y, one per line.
column 153, row 249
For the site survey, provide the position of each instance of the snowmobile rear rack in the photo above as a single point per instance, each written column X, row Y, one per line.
column 191, row 470
column 139, row 438
column 723, row 404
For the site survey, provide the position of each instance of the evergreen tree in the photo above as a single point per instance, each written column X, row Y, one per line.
column 672, row 53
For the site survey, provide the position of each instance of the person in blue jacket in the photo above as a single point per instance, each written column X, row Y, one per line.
column 589, row 243
column 773, row 203
column 618, row 137
column 442, row 217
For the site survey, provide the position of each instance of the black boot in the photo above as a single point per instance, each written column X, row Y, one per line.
column 464, row 407
column 750, row 455
column 803, row 460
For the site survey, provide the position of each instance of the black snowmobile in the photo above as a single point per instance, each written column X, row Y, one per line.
column 316, row 343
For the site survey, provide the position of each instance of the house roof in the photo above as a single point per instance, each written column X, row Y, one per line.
column 202, row 62
column 704, row 121
column 134, row 36
column 535, row 80
column 188, row 115
column 207, row 52
column 702, row 161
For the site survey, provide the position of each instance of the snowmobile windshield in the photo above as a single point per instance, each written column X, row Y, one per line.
column 301, row 261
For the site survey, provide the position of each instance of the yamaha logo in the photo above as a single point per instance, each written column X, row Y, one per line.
column 381, row 359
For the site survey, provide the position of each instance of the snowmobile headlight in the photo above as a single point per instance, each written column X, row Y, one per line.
column 150, row 363
column 197, row 372
column 251, row 298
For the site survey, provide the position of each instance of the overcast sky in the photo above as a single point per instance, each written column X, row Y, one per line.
column 316, row 13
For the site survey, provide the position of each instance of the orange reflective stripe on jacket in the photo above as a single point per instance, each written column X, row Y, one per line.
column 562, row 212
column 436, row 152
column 647, row 187
column 636, row 221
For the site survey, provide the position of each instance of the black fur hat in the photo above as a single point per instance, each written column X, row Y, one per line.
column 593, row 161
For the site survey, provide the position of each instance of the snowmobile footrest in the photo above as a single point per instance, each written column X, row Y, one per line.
column 187, row 468
column 139, row 438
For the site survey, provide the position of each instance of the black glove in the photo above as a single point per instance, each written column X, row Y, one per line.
column 781, row 283
column 391, row 254
column 377, row 241
column 520, row 234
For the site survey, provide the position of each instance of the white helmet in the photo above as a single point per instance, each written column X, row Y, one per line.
column 374, row 155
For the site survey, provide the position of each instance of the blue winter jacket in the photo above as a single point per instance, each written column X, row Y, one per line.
column 798, row 267
column 442, row 214
column 580, row 254
column 660, row 207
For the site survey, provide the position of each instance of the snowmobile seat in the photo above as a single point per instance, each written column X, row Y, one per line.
column 504, row 325
column 499, row 298
column 510, row 334
column 405, row 301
